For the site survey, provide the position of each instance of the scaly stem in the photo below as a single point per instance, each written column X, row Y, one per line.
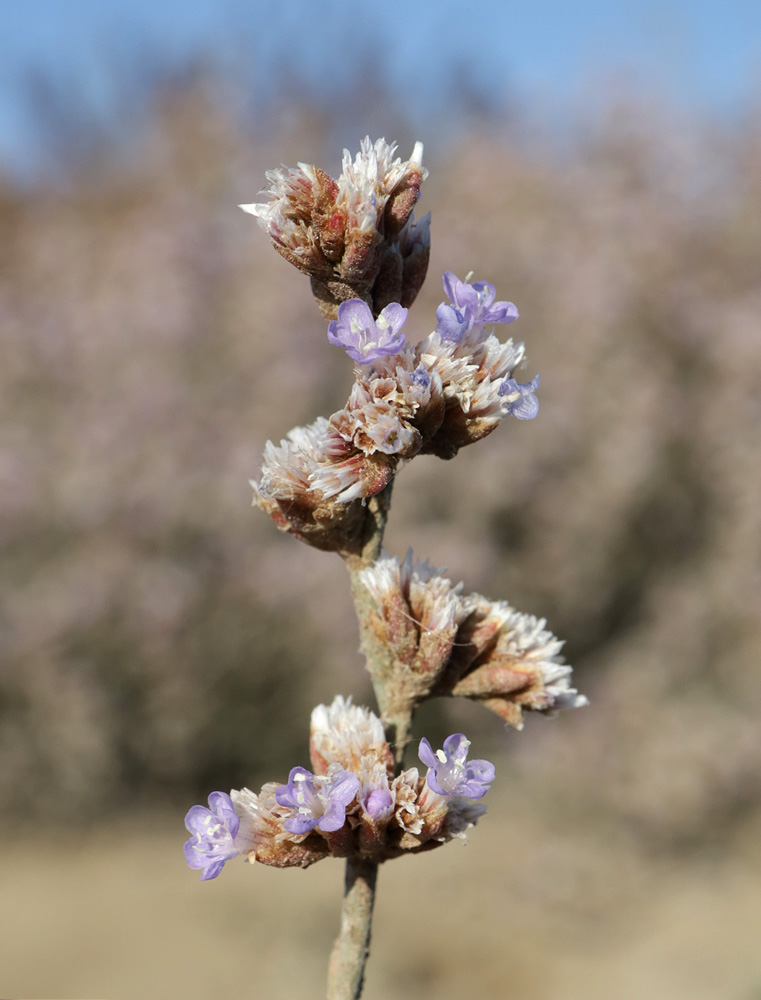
column 346, row 971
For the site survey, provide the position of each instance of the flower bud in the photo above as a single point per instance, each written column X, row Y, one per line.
column 346, row 734
column 351, row 806
column 314, row 484
column 355, row 237
column 508, row 662
column 418, row 612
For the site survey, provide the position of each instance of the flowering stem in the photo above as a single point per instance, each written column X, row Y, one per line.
column 376, row 515
column 396, row 704
column 397, row 721
column 346, row 971
column 347, row 961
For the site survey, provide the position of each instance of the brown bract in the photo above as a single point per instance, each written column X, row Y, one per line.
column 356, row 237
column 328, row 523
column 426, row 639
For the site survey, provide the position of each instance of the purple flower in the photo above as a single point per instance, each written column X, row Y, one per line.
column 378, row 803
column 471, row 305
column 374, row 795
column 450, row 774
column 453, row 323
column 521, row 399
column 319, row 802
column 364, row 338
column 420, row 377
column 213, row 835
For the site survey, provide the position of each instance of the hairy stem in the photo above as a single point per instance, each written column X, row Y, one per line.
column 346, row 971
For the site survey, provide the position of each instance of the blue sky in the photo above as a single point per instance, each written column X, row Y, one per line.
column 540, row 55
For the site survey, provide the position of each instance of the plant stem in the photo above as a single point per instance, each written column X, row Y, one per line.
column 346, row 971
column 367, row 548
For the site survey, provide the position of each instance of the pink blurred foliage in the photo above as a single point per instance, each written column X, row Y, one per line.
column 158, row 633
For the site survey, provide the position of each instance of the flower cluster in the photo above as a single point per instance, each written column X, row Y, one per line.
column 356, row 237
column 351, row 804
column 451, row 389
column 447, row 643
column 357, row 240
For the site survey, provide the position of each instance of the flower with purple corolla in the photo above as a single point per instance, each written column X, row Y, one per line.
column 449, row 771
column 420, row 377
column 375, row 796
column 213, row 835
column 520, row 398
column 319, row 801
column 378, row 804
column 471, row 305
column 453, row 323
column 364, row 338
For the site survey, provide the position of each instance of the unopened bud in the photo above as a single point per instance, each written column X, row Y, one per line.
column 348, row 234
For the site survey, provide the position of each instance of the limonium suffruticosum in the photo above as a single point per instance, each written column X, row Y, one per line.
column 328, row 483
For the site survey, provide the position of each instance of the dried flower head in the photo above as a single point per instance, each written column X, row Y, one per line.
column 313, row 483
column 356, row 236
column 417, row 613
column 447, row 391
column 509, row 662
column 352, row 805
column 347, row 734
column 433, row 640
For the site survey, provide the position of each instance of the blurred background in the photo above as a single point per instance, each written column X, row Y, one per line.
column 601, row 165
